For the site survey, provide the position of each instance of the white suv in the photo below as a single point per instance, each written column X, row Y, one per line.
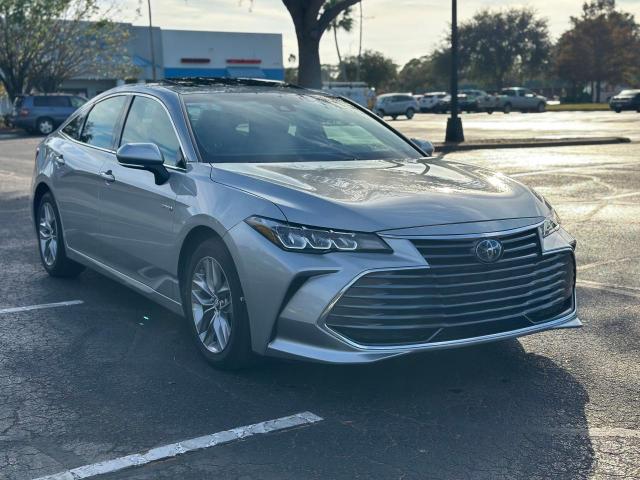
column 395, row 104
column 429, row 101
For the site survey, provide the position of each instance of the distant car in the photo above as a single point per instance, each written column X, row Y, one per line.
column 429, row 101
column 43, row 113
column 626, row 100
column 395, row 104
column 478, row 101
column 522, row 99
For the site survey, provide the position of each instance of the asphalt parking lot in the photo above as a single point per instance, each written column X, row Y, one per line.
column 117, row 375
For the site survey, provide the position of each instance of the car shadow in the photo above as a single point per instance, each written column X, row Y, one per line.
column 491, row 411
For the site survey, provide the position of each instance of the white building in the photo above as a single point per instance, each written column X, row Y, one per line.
column 187, row 53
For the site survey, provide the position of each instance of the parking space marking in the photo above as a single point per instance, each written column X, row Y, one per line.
column 40, row 307
column 619, row 289
column 174, row 449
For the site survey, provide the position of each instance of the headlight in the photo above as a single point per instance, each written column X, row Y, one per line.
column 551, row 224
column 300, row 238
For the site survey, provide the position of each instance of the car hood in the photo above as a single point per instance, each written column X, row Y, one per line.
column 376, row 195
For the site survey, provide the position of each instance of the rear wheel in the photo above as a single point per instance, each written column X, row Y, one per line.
column 44, row 126
column 507, row 108
column 618, row 110
column 214, row 307
column 410, row 113
column 541, row 107
column 394, row 117
column 51, row 241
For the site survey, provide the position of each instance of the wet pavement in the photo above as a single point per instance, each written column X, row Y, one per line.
column 117, row 374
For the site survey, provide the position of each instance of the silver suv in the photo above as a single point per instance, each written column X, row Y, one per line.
column 395, row 104
column 281, row 221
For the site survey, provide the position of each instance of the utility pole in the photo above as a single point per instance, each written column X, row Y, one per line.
column 359, row 46
column 151, row 45
column 454, row 123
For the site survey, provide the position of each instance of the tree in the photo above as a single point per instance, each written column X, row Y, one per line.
column 603, row 45
column 45, row 42
column 311, row 18
column 496, row 46
column 430, row 72
column 343, row 21
column 375, row 69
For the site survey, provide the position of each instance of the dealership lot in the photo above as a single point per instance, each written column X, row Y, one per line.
column 107, row 373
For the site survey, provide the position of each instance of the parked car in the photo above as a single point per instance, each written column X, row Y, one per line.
column 626, row 100
column 289, row 222
column 429, row 101
column 395, row 104
column 522, row 99
column 477, row 101
column 43, row 113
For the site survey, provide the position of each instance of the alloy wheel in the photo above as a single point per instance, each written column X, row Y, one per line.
column 48, row 233
column 211, row 304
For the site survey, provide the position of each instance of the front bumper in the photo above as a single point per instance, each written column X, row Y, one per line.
column 289, row 295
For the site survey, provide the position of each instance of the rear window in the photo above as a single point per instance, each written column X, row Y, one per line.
column 51, row 101
column 288, row 127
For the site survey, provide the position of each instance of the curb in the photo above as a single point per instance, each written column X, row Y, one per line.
column 528, row 143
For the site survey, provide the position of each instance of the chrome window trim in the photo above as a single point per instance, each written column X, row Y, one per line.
column 321, row 323
column 129, row 94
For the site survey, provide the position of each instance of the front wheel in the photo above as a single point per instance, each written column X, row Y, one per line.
column 618, row 110
column 507, row 108
column 541, row 107
column 214, row 306
column 410, row 113
column 51, row 241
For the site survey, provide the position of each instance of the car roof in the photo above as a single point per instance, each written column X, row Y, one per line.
column 194, row 85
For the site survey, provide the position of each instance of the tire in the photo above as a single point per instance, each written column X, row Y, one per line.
column 541, row 107
column 380, row 113
column 618, row 110
column 507, row 108
column 51, row 241
column 410, row 113
column 222, row 333
column 394, row 117
column 44, row 126
column 490, row 111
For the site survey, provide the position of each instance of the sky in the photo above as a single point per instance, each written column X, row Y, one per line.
column 401, row 29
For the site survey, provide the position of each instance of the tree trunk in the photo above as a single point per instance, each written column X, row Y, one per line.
column 309, row 70
column 598, row 90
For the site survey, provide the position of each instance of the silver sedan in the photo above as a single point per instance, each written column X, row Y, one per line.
column 281, row 221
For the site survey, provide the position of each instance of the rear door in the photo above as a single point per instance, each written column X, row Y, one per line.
column 137, row 221
column 77, row 156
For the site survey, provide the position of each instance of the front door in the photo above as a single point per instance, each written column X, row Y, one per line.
column 137, row 225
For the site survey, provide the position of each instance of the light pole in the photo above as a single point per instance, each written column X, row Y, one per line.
column 454, row 123
column 153, row 52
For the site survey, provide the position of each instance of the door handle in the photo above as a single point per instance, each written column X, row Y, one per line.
column 108, row 176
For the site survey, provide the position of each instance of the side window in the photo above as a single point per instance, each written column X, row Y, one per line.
column 77, row 102
column 99, row 129
column 74, row 126
column 148, row 122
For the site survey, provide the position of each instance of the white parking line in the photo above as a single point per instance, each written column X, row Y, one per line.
column 175, row 449
column 39, row 307
column 619, row 289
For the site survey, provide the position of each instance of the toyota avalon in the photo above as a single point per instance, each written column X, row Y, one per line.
column 289, row 222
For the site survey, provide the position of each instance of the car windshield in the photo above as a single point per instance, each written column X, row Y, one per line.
column 242, row 127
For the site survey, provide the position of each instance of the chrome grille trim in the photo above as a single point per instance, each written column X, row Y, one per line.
column 390, row 299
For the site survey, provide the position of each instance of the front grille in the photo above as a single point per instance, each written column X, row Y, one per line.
column 458, row 296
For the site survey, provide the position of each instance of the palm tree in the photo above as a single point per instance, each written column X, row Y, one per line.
column 344, row 21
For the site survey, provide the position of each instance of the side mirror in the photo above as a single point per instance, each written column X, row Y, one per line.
column 425, row 145
column 144, row 156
